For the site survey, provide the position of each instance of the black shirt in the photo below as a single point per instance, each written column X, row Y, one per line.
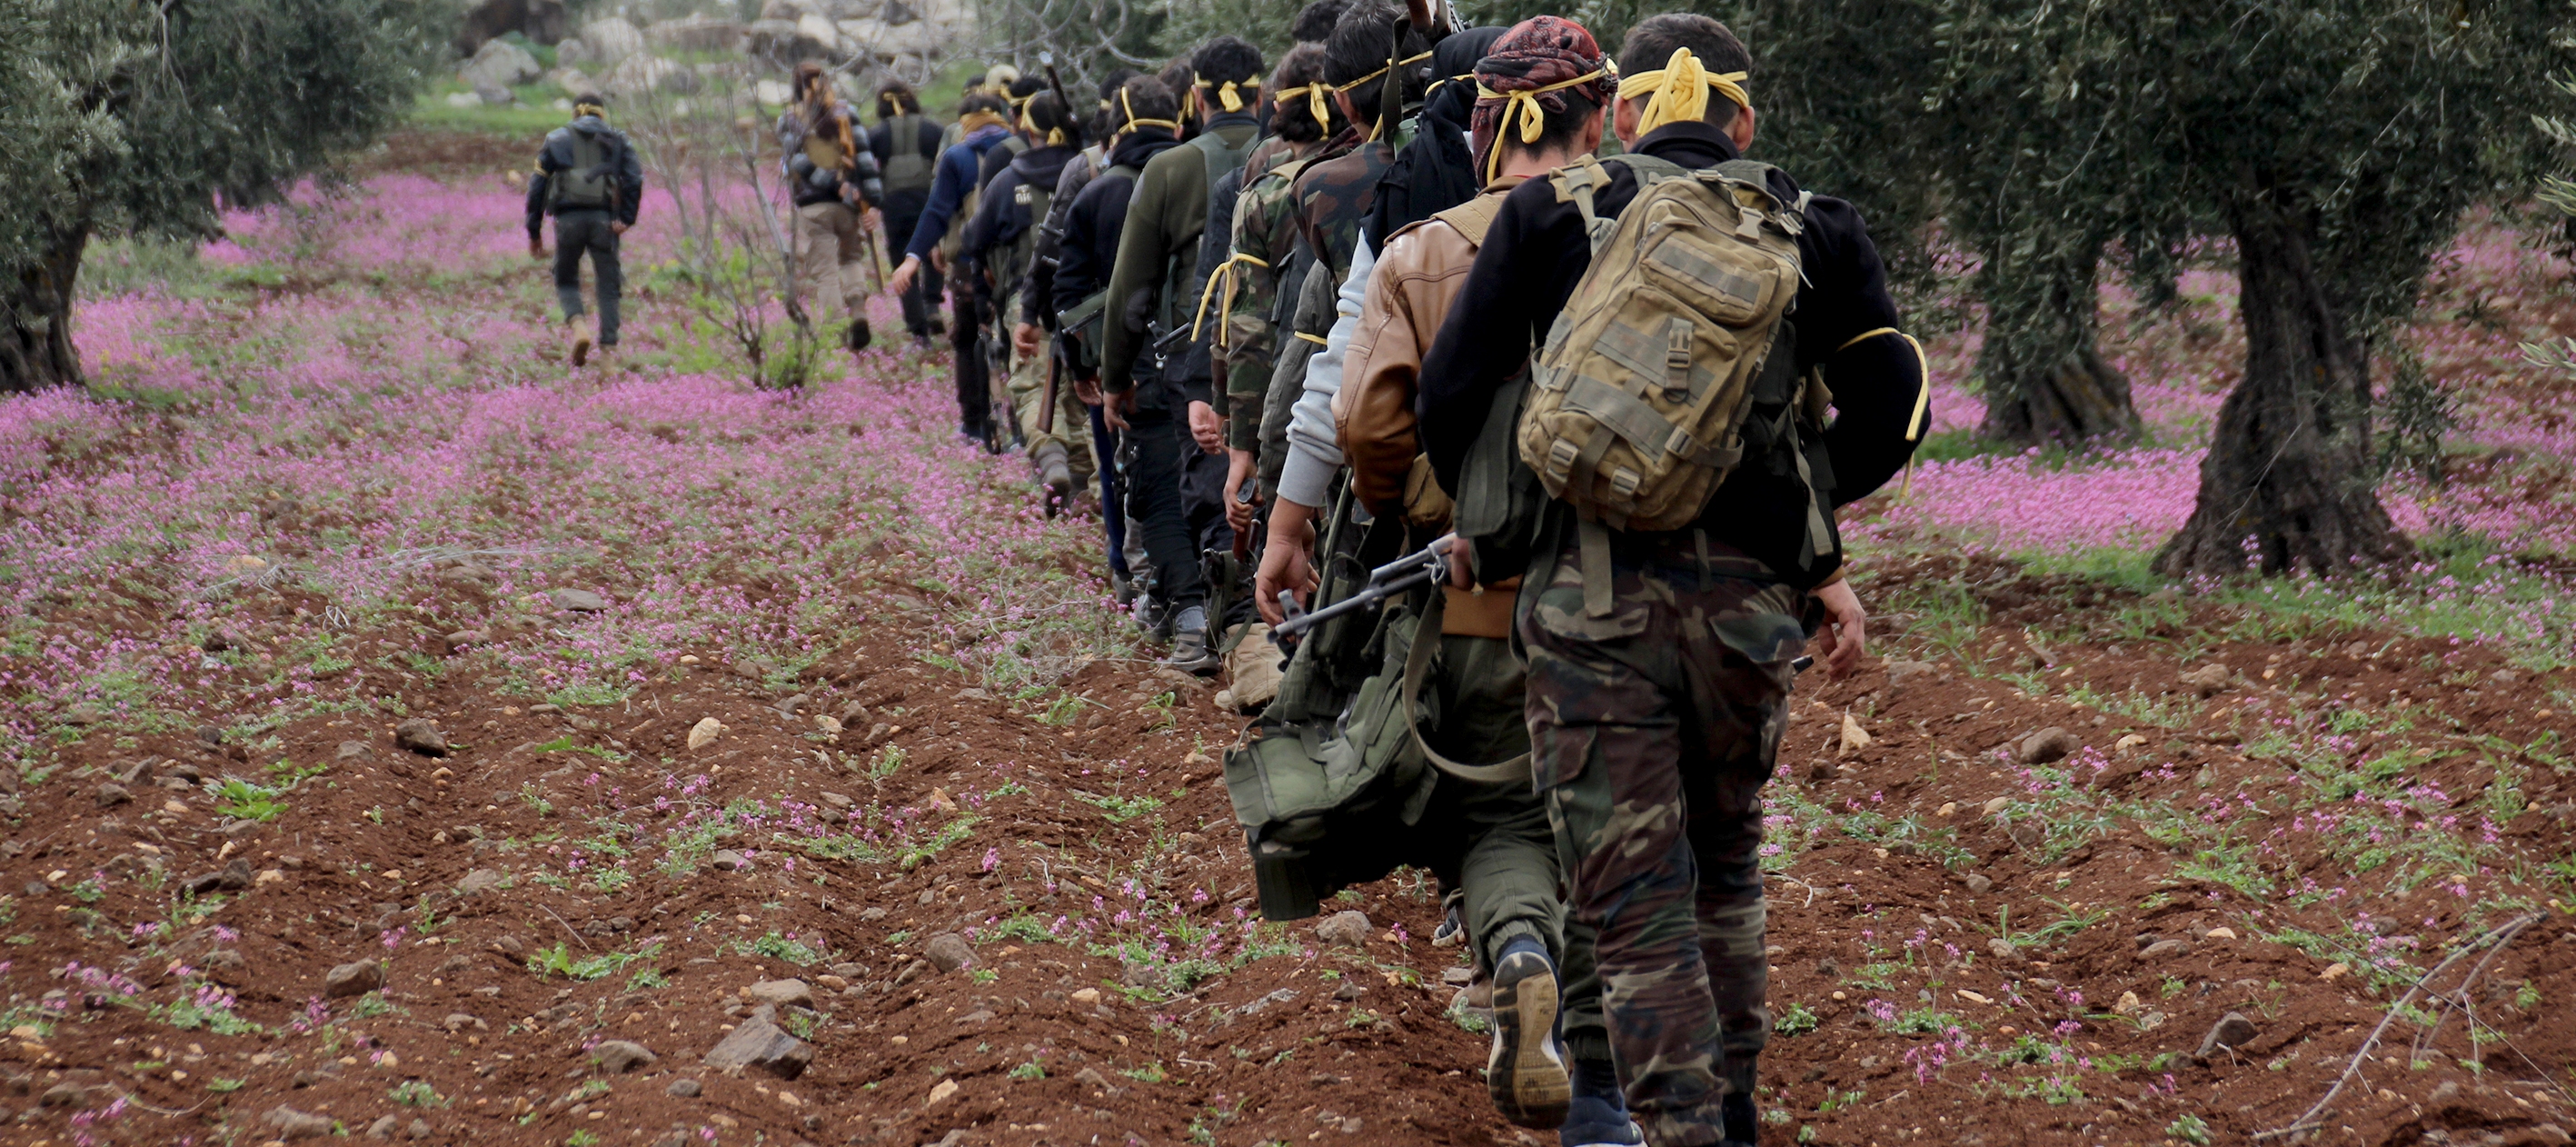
column 1099, row 217
column 1537, row 251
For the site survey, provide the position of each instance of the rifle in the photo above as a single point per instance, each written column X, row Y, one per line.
column 1426, row 566
column 1046, row 60
column 1055, row 379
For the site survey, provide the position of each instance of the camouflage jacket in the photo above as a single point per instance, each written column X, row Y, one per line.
column 1333, row 198
column 1248, row 340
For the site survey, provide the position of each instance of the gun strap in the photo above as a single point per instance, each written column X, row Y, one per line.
column 1417, row 666
column 1599, row 592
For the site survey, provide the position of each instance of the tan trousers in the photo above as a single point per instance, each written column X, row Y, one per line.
column 830, row 249
column 1071, row 428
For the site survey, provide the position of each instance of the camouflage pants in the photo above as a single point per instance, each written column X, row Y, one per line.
column 1066, row 429
column 1508, row 866
column 1654, row 728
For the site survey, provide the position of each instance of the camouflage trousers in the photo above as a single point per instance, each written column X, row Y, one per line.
column 1066, row 428
column 1507, row 864
column 1654, row 726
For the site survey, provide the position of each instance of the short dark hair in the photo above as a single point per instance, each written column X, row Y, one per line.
column 894, row 98
column 1314, row 23
column 1226, row 58
column 1294, row 119
column 1360, row 45
column 1651, row 42
column 1147, row 98
column 1026, row 86
column 983, row 102
column 1046, row 114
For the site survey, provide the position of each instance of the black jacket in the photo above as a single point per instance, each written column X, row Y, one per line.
column 1537, row 251
column 1099, row 214
column 1000, row 219
column 556, row 155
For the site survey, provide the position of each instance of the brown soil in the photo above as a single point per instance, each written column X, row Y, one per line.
column 504, row 1048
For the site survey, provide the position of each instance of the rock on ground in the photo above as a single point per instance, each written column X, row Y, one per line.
column 611, row 40
column 500, row 63
column 2046, row 746
column 949, row 951
column 759, row 1043
column 356, row 978
column 1350, row 927
column 618, row 1056
column 289, row 1123
column 2232, row 1031
column 784, row 993
column 421, row 735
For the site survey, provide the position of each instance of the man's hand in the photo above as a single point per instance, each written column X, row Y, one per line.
column 536, row 248
column 1844, row 618
column 938, row 259
column 1462, row 573
column 1207, row 428
column 1114, row 408
column 1087, row 390
column 617, row 228
column 903, row 275
column 1025, row 339
column 1283, row 562
column 1239, row 511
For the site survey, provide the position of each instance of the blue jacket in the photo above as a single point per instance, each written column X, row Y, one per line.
column 956, row 176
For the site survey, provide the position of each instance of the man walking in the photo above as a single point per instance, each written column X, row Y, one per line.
column 906, row 145
column 834, row 183
column 588, row 178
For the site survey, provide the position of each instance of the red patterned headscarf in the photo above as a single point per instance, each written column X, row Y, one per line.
column 1531, row 68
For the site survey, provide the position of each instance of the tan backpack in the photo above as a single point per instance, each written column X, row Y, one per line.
column 1639, row 400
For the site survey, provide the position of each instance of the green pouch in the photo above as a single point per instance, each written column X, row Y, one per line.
column 1500, row 503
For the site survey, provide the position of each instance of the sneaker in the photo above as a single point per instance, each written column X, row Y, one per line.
column 1192, row 651
column 1153, row 618
column 1452, row 930
column 1591, row 1121
column 1123, row 588
column 1526, row 1075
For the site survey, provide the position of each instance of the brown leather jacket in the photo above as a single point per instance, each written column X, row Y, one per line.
column 1418, row 276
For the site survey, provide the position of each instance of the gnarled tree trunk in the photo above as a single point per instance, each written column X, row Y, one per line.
column 2288, row 482
column 2045, row 379
column 36, row 320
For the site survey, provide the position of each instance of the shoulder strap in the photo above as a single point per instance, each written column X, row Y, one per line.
column 1417, row 668
column 1472, row 218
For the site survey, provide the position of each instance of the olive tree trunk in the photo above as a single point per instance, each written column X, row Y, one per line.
column 2288, row 483
column 2045, row 378
column 35, row 320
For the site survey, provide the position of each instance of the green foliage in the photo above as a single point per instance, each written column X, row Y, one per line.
column 248, row 800
column 778, row 946
column 559, row 961
column 416, row 1093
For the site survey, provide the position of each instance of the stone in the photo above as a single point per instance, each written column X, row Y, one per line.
column 500, row 64
column 641, row 73
column 571, row 53
column 2207, row 681
column 2549, row 1134
column 1348, row 927
column 419, row 1129
column 683, row 1088
column 695, row 33
column 64, row 1094
column 1900, row 672
column 420, row 735
column 949, row 951
column 1854, row 737
column 1979, row 883
column 760, row 1043
column 494, row 95
column 727, row 860
column 784, row 993
column 2127, row 1004
column 2003, row 949
column 611, row 40
column 2335, row 971
column 464, row 639
column 619, row 1056
column 289, row 1123
column 231, row 877
column 2231, row 1031
column 350, row 751
column 1252, row 670
column 705, row 732
column 112, row 793
column 2165, row 950
column 578, row 600
column 481, row 880
column 1087, row 997
column 384, row 1126
column 941, row 1092
column 356, row 978
column 84, row 713
column 2219, row 933
column 2046, row 746
column 543, row 21
column 459, row 1021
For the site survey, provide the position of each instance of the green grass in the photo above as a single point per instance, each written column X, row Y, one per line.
column 246, row 800
column 559, row 961
column 532, row 121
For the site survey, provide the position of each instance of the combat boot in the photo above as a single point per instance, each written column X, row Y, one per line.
column 580, row 354
column 858, row 337
column 1526, row 1074
column 1055, row 472
column 1598, row 1116
column 1192, row 651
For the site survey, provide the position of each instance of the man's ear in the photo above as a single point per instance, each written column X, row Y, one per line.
column 1623, row 119
column 1590, row 136
column 1342, row 100
column 1741, row 129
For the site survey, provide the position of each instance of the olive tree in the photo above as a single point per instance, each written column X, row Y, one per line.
column 151, row 116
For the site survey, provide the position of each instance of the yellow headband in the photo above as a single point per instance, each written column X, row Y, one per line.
column 1129, row 107
column 1225, row 92
column 1054, row 135
column 978, row 120
column 1380, row 72
column 1523, row 108
column 1681, row 90
column 1316, row 105
column 587, row 108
